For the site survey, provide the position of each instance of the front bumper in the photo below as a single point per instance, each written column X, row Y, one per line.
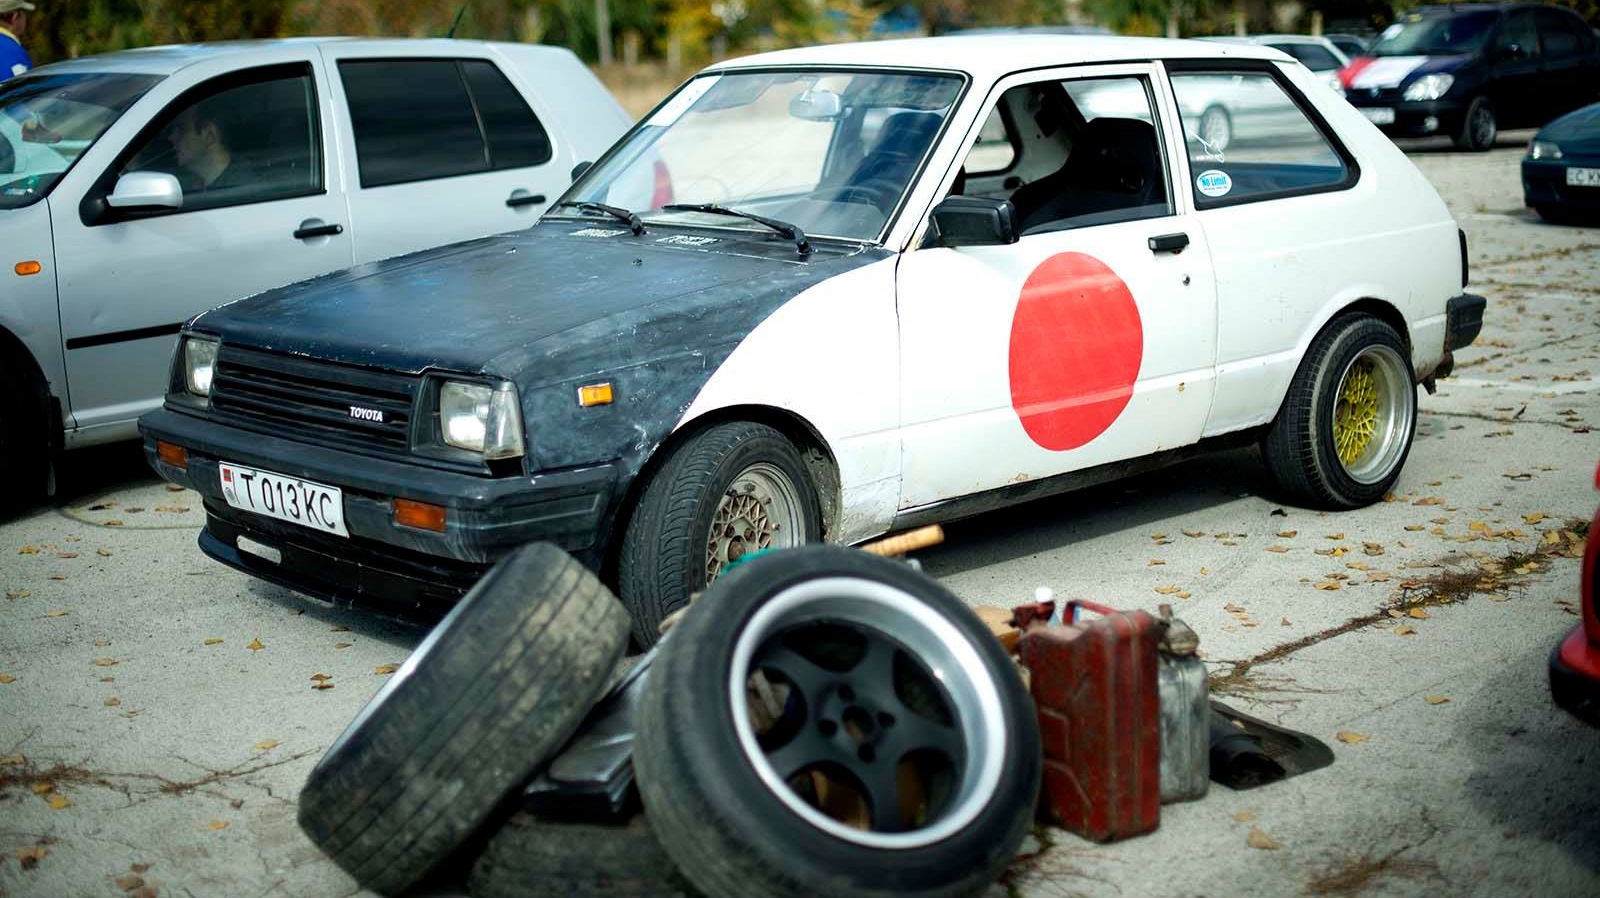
column 1431, row 118
column 1575, row 676
column 1544, row 184
column 381, row 562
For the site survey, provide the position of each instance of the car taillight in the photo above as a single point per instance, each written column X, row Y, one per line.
column 663, row 186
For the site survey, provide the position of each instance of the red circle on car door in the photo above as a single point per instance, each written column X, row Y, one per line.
column 1076, row 345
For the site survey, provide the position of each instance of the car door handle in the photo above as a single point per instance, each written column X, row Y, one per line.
column 313, row 228
column 520, row 198
column 1169, row 243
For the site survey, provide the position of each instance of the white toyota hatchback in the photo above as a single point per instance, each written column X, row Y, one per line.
column 897, row 283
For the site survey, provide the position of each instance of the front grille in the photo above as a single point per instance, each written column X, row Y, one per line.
column 311, row 400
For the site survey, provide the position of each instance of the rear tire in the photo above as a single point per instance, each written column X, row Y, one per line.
column 1346, row 425
column 1478, row 126
column 497, row 687
column 736, row 479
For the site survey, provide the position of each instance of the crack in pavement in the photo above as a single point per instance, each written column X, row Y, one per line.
column 1480, row 416
column 1534, row 257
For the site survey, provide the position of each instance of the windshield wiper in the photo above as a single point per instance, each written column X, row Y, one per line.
column 620, row 214
column 790, row 231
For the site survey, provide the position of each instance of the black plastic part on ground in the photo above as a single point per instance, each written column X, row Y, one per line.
column 493, row 691
column 1247, row 752
column 541, row 857
column 729, row 833
column 1575, row 693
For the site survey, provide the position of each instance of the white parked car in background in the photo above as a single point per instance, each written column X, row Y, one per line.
column 139, row 188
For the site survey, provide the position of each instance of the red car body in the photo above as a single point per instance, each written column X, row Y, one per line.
column 1575, row 662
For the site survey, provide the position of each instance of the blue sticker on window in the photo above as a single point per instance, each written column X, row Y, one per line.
column 1214, row 182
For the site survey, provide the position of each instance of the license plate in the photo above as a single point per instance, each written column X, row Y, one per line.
column 1379, row 116
column 1583, row 177
column 285, row 498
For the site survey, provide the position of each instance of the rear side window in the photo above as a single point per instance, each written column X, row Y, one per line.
column 1249, row 139
column 423, row 119
column 1561, row 34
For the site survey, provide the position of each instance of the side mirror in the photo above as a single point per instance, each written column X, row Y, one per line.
column 146, row 190
column 974, row 221
column 580, row 168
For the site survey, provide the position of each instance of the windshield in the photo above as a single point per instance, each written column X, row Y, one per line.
column 1435, row 35
column 48, row 121
column 832, row 152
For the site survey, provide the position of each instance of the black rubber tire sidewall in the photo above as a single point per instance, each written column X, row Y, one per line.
column 533, row 857
column 1299, row 448
column 1468, row 138
column 24, row 443
column 663, row 554
column 495, row 689
column 728, row 833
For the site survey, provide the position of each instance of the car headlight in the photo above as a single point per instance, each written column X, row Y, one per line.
column 1430, row 87
column 481, row 418
column 1544, row 149
column 199, row 363
column 1333, row 81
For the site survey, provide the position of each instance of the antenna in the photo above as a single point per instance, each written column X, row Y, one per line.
column 459, row 13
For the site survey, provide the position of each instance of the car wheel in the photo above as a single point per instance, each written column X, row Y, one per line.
column 827, row 722
column 24, row 446
column 1215, row 129
column 1478, row 128
column 729, row 491
column 532, row 857
column 1345, row 427
column 499, row 685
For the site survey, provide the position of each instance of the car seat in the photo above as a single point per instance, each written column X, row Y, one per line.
column 1115, row 163
column 902, row 140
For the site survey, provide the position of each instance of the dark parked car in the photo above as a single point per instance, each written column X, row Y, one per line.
column 1468, row 71
column 1349, row 44
column 1575, row 662
column 1561, row 173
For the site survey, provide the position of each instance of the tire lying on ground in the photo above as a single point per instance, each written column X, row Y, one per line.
column 489, row 695
column 794, row 739
column 1346, row 425
column 534, row 857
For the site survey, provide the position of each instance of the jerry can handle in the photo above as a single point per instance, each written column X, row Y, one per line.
column 1074, row 604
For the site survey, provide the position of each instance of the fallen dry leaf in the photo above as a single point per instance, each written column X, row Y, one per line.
column 255, row 645
column 1182, row 594
column 105, row 662
column 23, row 593
column 1288, row 534
column 1533, row 518
column 385, row 669
column 1436, row 699
column 133, row 509
column 319, row 677
column 1415, row 527
column 172, row 509
column 1372, row 548
column 1377, row 577
column 1418, row 613
column 215, row 640
column 1158, row 536
column 1167, row 590
column 1278, row 549
column 1334, row 536
column 66, row 554
column 108, row 679
column 140, row 868
column 1154, row 561
column 1259, row 839
column 1285, row 623
column 28, row 550
column 57, row 577
column 322, row 684
column 1430, row 500
column 128, row 882
column 217, row 825
column 7, row 678
column 113, row 523
column 1232, row 608
column 1194, row 533
column 343, row 645
column 1404, row 630
column 102, row 643
column 267, row 745
column 57, row 801
column 112, row 702
column 1351, row 737
column 14, row 759
column 103, row 553
column 1330, row 585
column 57, row 612
column 1245, row 816
column 43, row 787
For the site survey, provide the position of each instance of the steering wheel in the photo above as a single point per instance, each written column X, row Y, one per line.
column 879, row 192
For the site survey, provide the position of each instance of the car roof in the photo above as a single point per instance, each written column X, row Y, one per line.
column 165, row 60
column 1265, row 38
column 991, row 56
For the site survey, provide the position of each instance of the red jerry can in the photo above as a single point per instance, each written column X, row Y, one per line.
column 1095, row 686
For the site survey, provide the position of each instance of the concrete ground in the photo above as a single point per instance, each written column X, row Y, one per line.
column 158, row 711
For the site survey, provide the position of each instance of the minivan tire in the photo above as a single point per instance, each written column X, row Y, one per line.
column 1478, row 126
column 494, row 690
column 860, row 638
column 669, row 544
column 1346, row 425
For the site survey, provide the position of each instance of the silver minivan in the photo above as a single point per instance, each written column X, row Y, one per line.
column 141, row 187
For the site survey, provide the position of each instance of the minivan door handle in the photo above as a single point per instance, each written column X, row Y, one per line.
column 316, row 227
column 1169, row 243
column 520, row 198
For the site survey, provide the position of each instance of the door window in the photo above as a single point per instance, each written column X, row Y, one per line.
column 231, row 143
column 422, row 119
column 1089, row 151
column 1312, row 56
column 1249, row 139
column 1519, row 38
column 1560, row 34
column 995, row 149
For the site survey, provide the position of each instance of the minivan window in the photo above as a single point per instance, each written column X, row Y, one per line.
column 48, row 121
column 1418, row 35
column 413, row 120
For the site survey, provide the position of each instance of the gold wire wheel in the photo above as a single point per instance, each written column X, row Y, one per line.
column 1372, row 413
column 1355, row 420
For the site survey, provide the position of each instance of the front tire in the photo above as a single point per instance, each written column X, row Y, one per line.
column 727, row 492
column 1478, row 127
column 887, row 748
column 24, row 441
column 1346, row 425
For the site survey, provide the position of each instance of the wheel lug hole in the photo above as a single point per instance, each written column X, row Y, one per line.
column 885, row 720
column 846, row 693
column 866, row 754
column 827, row 728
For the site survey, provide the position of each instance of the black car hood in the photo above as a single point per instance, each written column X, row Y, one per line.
column 1576, row 132
column 482, row 306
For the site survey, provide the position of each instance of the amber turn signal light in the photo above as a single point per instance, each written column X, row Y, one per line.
column 172, row 454
column 24, row 269
column 419, row 514
column 594, row 394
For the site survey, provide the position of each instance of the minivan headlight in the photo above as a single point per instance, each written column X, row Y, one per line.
column 1430, row 87
column 1544, row 149
column 199, row 364
column 482, row 418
